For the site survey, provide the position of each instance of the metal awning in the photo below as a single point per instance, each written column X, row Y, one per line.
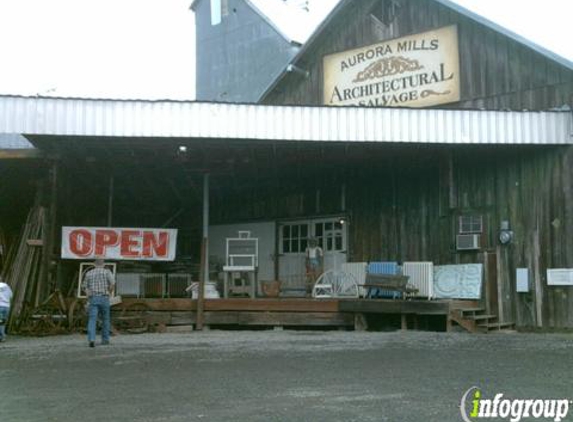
column 180, row 119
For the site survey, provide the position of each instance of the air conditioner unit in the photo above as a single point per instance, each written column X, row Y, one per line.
column 467, row 242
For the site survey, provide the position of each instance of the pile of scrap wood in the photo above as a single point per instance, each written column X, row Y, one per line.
column 22, row 268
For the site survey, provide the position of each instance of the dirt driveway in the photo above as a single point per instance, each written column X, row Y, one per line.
column 275, row 375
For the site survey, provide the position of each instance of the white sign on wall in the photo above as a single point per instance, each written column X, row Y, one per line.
column 560, row 277
column 119, row 243
column 419, row 70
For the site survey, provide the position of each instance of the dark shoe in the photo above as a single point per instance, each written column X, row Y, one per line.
column 105, row 343
column 92, row 343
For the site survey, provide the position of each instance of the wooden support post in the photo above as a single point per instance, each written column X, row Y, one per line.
column 206, row 224
column 360, row 323
column 452, row 197
column 204, row 270
column 404, row 321
column 110, row 202
column 201, row 290
column 48, row 237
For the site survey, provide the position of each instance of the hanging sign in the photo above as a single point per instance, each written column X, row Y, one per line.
column 119, row 243
column 419, row 70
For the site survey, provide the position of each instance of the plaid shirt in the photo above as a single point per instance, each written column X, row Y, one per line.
column 98, row 282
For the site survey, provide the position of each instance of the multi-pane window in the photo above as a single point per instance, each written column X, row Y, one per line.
column 470, row 224
column 329, row 235
column 294, row 238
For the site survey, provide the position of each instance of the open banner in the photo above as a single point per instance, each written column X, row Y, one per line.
column 119, row 243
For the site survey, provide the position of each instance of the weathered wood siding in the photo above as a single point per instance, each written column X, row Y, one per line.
column 405, row 207
column 497, row 73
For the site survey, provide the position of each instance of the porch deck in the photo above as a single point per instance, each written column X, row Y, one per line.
column 288, row 312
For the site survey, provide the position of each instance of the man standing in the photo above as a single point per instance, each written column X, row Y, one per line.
column 5, row 299
column 98, row 284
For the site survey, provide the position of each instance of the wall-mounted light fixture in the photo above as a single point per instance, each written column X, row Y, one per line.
column 291, row 68
column 505, row 234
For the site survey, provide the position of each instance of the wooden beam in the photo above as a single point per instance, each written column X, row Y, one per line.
column 262, row 305
column 318, row 319
column 381, row 306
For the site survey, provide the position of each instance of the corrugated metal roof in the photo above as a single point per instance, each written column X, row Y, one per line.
column 14, row 141
column 116, row 118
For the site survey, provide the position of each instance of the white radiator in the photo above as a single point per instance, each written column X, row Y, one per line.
column 358, row 270
column 177, row 284
column 153, row 285
column 421, row 277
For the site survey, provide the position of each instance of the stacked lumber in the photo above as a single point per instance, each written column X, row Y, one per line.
column 23, row 265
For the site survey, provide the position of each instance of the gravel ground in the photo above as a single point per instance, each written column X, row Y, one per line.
column 275, row 375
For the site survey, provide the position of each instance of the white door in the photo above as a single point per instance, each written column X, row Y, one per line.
column 331, row 234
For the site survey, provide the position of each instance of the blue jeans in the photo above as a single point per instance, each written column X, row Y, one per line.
column 4, row 310
column 98, row 304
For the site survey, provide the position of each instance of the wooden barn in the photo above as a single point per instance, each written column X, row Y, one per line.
column 408, row 201
column 410, row 135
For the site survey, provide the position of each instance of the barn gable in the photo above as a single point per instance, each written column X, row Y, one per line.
column 498, row 70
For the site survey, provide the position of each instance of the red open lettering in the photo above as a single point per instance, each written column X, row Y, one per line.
column 155, row 244
column 130, row 242
column 103, row 239
column 81, row 242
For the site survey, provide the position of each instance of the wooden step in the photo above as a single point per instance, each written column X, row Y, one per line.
column 480, row 317
column 471, row 310
column 496, row 325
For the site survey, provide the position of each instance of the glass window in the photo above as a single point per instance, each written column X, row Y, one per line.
column 338, row 245
column 470, row 224
column 295, row 246
column 318, row 229
column 294, row 231
column 294, row 238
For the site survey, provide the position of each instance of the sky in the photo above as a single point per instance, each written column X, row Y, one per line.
column 145, row 49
